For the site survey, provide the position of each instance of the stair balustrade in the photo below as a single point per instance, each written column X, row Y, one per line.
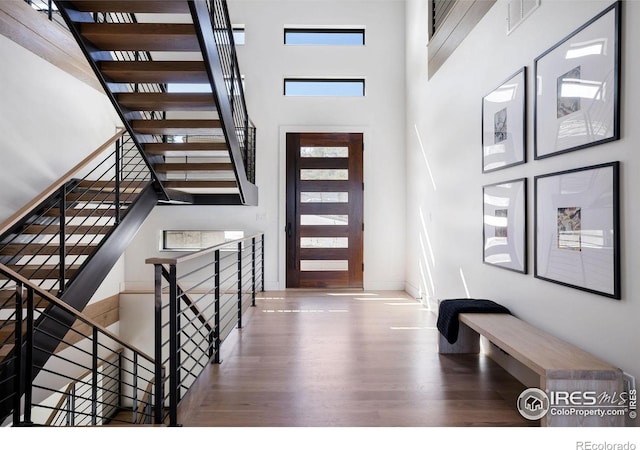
column 199, row 298
column 55, row 237
column 89, row 379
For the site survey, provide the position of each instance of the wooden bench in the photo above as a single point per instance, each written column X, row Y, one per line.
column 553, row 365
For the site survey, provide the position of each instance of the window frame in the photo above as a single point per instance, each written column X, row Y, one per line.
column 287, row 80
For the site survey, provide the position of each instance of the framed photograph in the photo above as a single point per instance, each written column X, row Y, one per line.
column 504, row 124
column 577, row 229
column 505, row 225
column 578, row 88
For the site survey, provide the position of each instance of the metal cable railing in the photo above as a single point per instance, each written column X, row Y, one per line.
column 51, row 243
column 49, row 8
column 87, row 380
column 245, row 130
column 199, row 299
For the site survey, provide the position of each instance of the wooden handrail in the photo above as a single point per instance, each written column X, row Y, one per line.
column 26, row 209
column 199, row 253
column 148, row 393
column 74, row 312
column 58, row 407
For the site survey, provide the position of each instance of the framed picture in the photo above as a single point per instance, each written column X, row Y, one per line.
column 505, row 225
column 504, row 124
column 577, row 229
column 578, row 88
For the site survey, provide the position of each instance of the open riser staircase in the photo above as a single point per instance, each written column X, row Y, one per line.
column 176, row 85
column 170, row 69
column 51, row 243
column 65, row 244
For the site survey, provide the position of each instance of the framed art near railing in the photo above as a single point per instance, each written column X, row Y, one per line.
column 505, row 225
column 577, row 229
column 577, row 88
column 504, row 124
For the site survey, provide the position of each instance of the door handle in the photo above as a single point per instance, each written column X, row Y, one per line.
column 289, row 230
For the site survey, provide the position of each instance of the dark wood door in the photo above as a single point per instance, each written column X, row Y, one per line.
column 324, row 210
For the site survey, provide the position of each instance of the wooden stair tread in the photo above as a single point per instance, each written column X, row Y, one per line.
column 124, row 419
column 5, row 350
column 46, row 249
column 163, row 148
column 89, row 196
column 200, row 184
column 71, row 229
column 38, row 302
column 167, row 101
column 86, row 212
column 7, row 334
column 42, row 272
column 177, row 37
column 137, row 6
column 155, row 71
column 192, row 167
column 127, row 186
column 176, row 126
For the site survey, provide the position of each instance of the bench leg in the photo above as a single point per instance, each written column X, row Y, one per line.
column 468, row 342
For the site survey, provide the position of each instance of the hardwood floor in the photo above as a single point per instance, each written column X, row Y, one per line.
column 358, row 359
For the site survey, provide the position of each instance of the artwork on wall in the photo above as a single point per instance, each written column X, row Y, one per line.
column 505, row 224
column 577, row 231
column 578, row 88
column 504, row 124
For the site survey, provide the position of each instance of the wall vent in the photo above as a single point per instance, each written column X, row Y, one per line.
column 518, row 11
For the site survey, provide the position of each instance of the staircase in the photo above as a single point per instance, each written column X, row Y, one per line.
column 170, row 69
column 58, row 235
column 79, row 226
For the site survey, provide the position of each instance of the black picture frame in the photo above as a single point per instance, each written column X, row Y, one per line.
column 577, row 229
column 577, row 89
column 504, row 124
column 504, row 231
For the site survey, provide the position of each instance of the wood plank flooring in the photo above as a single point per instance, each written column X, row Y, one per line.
column 357, row 359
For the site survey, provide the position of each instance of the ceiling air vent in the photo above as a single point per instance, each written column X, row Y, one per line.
column 518, row 10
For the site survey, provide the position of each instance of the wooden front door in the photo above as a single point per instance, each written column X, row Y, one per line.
column 324, row 210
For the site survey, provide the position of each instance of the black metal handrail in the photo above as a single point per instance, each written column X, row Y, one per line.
column 86, row 380
column 225, row 41
column 52, row 241
column 215, row 33
column 199, row 298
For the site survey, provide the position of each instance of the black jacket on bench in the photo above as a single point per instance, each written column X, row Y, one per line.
column 448, row 323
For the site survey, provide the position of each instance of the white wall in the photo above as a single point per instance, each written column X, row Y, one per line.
column 49, row 121
column 444, row 207
column 265, row 61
